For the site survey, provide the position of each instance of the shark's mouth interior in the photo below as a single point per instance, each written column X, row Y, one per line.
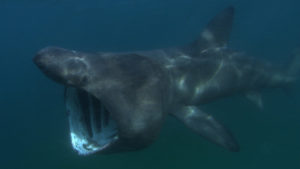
column 92, row 128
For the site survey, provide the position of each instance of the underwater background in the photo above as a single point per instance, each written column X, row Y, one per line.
column 33, row 122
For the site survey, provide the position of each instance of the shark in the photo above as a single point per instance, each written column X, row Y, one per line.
column 118, row 101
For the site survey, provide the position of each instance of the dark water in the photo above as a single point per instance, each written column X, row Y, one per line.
column 33, row 124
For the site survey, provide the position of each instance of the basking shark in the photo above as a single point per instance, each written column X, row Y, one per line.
column 118, row 101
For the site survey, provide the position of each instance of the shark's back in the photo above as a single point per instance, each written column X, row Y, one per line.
column 220, row 73
column 206, row 69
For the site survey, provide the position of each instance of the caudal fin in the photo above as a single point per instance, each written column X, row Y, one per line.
column 294, row 67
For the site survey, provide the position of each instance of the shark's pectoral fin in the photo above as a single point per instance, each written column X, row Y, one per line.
column 256, row 98
column 206, row 126
column 215, row 35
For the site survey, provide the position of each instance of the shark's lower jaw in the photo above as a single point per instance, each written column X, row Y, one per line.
column 92, row 128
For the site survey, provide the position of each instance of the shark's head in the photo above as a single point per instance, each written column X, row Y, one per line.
column 64, row 66
column 113, row 102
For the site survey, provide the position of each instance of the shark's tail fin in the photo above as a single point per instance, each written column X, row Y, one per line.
column 292, row 73
column 294, row 66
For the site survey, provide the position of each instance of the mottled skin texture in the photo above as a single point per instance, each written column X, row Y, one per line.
column 140, row 88
column 215, row 73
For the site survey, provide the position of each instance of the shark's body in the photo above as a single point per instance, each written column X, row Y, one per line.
column 118, row 101
column 198, row 79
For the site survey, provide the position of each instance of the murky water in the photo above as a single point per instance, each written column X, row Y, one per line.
column 34, row 130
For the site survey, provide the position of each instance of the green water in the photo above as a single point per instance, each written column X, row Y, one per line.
column 33, row 123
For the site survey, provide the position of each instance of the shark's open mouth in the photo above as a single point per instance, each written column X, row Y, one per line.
column 92, row 128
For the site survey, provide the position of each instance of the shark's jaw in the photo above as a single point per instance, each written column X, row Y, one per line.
column 92, row 128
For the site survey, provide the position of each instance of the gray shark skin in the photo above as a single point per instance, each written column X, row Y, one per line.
column 118, row 101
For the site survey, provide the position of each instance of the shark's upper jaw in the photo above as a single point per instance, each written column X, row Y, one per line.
column 92, row 128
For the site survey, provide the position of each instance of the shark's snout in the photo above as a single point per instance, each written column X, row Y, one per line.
column 48, row 65
column 37, row 59
column 61, row 65
column 46, row 58
column 40, row 60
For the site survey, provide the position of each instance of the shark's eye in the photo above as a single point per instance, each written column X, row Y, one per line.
column 76, row 72
column 76, row 66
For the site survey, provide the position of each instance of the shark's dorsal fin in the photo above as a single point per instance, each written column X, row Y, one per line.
column 215, row 35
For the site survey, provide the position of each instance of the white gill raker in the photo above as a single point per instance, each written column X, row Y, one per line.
column 92, row 114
